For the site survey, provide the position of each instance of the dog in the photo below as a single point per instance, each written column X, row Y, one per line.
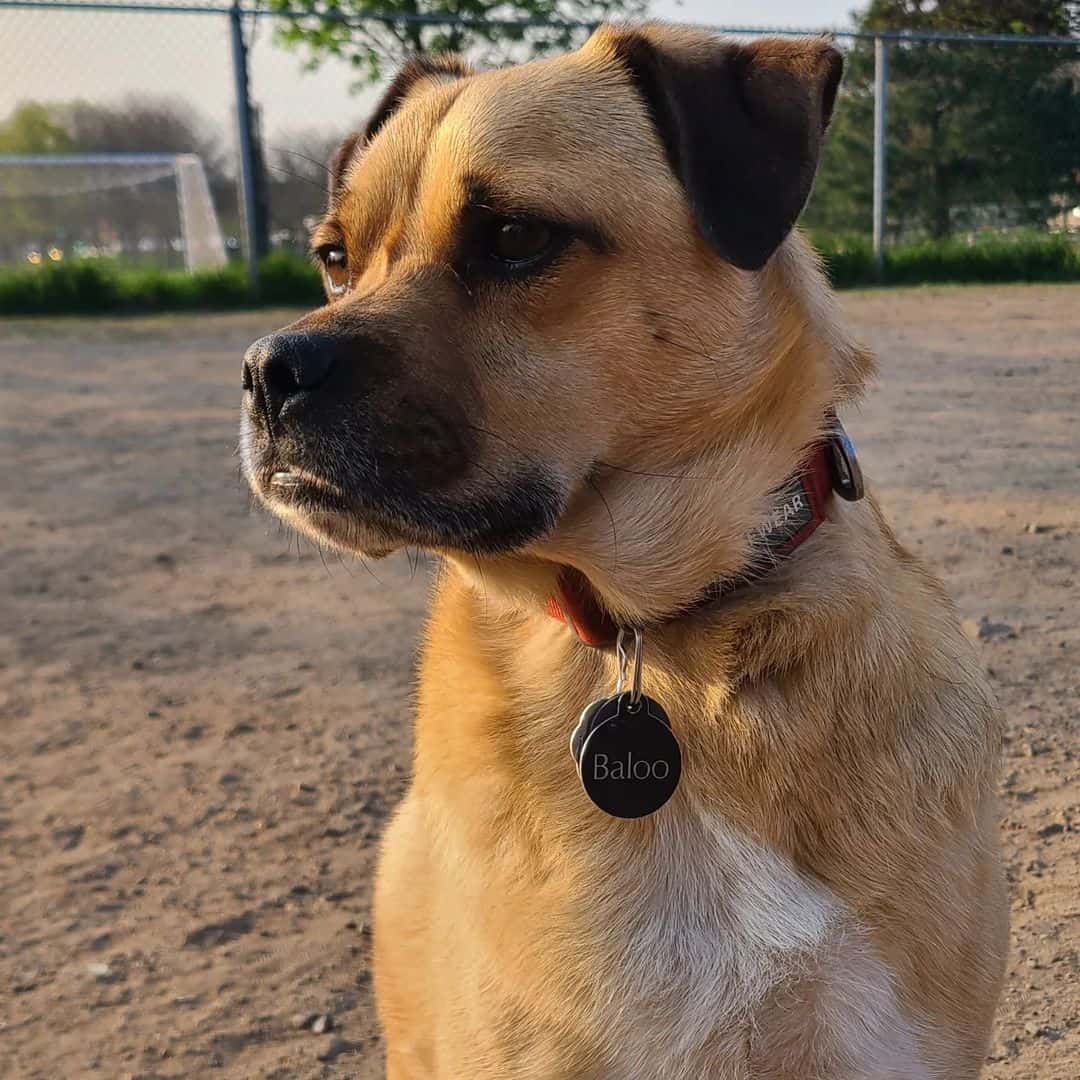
column 575, row 346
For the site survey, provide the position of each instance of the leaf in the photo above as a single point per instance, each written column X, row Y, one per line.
column 345, row 28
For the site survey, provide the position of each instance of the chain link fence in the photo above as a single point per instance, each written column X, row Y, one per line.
column 103, row 86
column 976, row 136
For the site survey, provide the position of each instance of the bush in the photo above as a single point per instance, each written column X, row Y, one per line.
column 1032, row 257
column 75, row 287
column 98, row 286
column 849, row 260
column 289, row 280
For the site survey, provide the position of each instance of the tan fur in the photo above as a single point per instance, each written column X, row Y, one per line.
column 822, row 898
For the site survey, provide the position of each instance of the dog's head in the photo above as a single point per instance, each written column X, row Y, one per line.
column 566, row 322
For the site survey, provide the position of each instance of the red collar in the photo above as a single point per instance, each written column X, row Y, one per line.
column 831, row 467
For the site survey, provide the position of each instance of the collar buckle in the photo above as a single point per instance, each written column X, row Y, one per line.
column 844, row 468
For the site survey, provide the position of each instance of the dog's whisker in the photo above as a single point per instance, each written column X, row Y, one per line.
column 341, row 562
column 371, row 573
column 600, row 462
column 299, row 176
column 462, row 281
column 611, row 518
column 483, row 580
column 296, row 153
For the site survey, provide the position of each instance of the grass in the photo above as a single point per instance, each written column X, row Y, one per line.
column 98, row 287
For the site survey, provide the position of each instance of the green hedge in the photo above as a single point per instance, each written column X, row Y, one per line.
column 1028, row 258
column 97, row 286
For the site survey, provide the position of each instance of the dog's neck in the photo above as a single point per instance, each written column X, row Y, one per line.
column 827, row 479
column 657, row 522
column 830, row 468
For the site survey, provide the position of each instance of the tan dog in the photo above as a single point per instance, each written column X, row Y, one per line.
column 573, row 346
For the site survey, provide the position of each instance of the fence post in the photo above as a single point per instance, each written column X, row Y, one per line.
column 881, row 87
column 246, row 146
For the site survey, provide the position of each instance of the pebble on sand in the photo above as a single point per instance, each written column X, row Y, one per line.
column 987, row 630
column 338, row 1047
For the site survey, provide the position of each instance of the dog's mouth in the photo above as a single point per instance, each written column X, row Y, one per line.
column 304, row 490
column 320, row 508
column 375, row 514
column 344, row 440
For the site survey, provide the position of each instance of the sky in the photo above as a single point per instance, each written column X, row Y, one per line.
column 103, row 56
column 812, row 14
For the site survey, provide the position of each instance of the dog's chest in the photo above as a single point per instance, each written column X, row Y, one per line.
column 696, row 930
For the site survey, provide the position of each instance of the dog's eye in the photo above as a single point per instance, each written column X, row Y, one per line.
column 519, row 242
column 336, row 264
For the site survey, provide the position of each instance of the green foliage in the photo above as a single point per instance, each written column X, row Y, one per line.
column 337, row 28
column 96, row 286
column 1030, row 257
column 289, row 279
column 977, row 134
column 32, row 218
column 31, row 129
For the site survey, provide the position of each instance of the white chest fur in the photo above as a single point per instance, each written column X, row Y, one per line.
column 724, row 960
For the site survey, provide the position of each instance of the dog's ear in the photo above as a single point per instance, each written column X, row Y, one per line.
column 741, row 125
column 416, row 70
column 339, row 164
column 445, row 68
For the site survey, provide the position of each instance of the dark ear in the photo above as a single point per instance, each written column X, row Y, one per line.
column 741, row 125
column 413, row 71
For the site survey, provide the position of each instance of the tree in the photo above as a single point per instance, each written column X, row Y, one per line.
column 338, row 28
column 970, row 125
column 30, row 129
column 141, row 124
column 149, row 124
column 97, row 206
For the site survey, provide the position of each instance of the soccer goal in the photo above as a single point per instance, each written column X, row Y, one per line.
column 146, row 208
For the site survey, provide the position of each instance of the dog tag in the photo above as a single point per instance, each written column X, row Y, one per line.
column 585, row 726
column 629, row 761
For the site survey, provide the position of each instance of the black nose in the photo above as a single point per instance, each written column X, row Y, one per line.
column 281, row 366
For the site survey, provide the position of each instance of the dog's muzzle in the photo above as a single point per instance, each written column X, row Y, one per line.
column 364, row 443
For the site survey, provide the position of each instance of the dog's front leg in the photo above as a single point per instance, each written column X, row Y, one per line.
column 405, row 1067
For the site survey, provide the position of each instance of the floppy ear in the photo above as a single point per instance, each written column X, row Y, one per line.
column 741, row 124
column 414, row 71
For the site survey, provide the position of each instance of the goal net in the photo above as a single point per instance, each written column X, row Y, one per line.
column 143, row 208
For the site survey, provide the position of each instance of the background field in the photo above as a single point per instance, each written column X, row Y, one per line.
column 203, row 724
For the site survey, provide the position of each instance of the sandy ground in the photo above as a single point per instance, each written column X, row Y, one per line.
column 204, row 725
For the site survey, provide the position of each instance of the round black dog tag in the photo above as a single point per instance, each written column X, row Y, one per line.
column 628, row 759
column 586, row 725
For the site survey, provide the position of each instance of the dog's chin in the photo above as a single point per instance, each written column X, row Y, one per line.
column 318, row 510
column 374, row 523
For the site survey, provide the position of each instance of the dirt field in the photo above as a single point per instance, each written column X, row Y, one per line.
column 203, row 726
